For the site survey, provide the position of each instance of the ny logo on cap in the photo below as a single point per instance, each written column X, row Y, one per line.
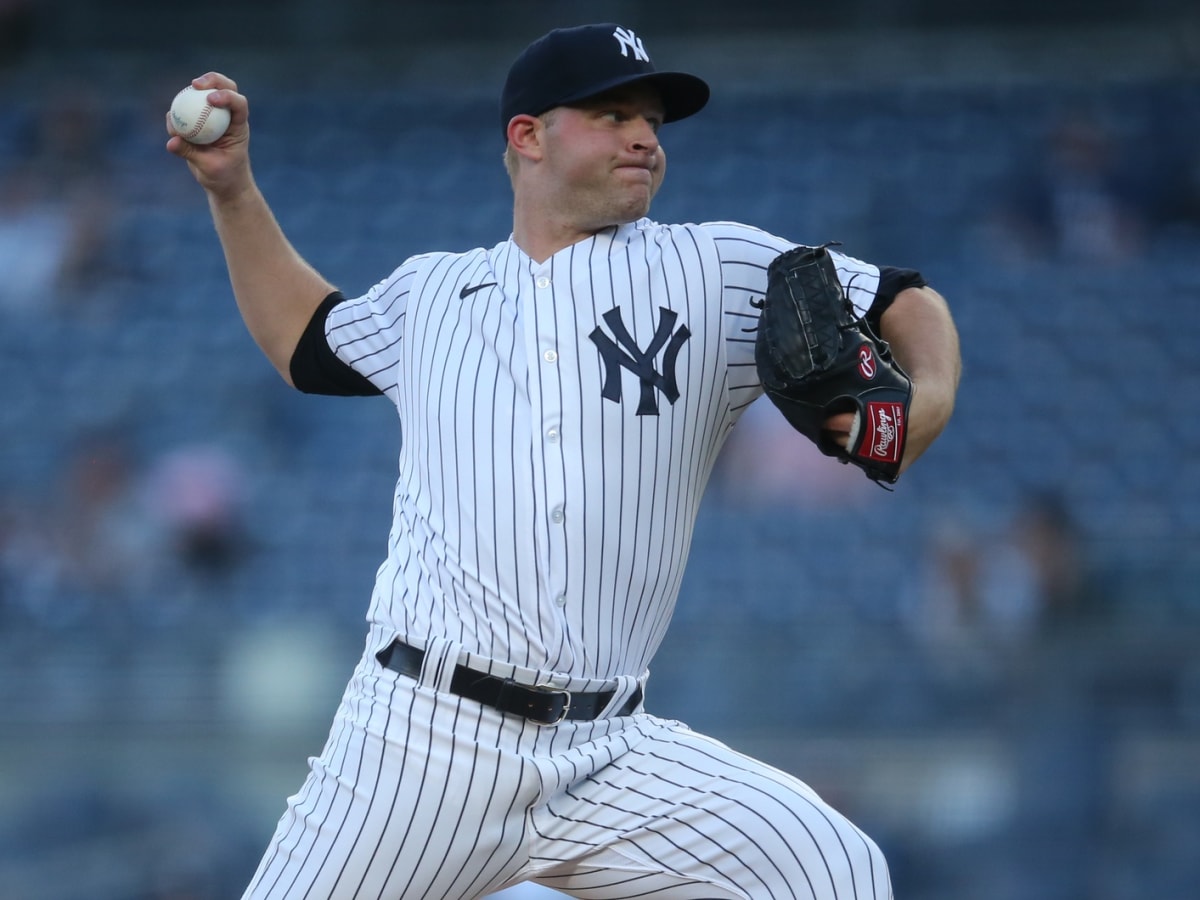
column 630, row 41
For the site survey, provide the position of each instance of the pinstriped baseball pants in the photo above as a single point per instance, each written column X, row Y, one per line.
column 421, row 794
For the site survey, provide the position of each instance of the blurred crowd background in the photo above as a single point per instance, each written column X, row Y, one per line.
column 994, row 669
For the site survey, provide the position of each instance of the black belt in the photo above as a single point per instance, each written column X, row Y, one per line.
column 542, row 704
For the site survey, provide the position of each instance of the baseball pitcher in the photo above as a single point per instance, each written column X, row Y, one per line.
column 563, row 396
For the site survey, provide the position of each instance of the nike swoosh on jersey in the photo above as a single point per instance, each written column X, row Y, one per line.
column 469, row 289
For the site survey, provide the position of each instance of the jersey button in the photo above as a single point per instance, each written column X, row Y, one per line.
column 560, row 600
column 543, row 282
column 552, row 435
column 550, row 356
column 556, row 515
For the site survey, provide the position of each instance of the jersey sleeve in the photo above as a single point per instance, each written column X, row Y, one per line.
column 746, row 253
column 316, row 369
column 366, row 334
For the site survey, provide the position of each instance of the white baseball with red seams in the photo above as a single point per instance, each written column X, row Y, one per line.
column 195, row 119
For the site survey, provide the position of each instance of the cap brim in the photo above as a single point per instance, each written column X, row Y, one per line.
column 682, row 95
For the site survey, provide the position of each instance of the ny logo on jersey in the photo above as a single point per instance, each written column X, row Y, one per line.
column 630, row 41
column 625, row 352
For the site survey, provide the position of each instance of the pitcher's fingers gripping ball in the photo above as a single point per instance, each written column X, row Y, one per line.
column 816, row 357
column 195, row 119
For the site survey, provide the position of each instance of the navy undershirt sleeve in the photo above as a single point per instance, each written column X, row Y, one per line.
column 891, row 282
column 316, row 369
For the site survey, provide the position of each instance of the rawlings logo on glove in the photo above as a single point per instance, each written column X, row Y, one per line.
column 816, row 358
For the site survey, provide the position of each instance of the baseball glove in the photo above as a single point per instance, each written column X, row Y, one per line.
column 816, row 357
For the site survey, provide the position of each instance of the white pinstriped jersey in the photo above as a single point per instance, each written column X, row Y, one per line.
column 559, row 424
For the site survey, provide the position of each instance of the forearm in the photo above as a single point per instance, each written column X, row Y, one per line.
column 276, row 290
column 921, row 332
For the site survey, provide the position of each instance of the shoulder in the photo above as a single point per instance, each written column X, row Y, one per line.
column 416, row 270
column 442, row 259
column 736, row 241
column 727, row 241
column 747, row 247
column 737, row 235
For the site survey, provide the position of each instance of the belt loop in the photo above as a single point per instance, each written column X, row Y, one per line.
column 441, row 656
column 626, row 685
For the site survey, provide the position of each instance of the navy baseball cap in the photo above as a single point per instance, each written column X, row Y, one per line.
column 572, row 64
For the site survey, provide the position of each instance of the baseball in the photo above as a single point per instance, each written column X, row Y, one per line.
column 195, row 119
